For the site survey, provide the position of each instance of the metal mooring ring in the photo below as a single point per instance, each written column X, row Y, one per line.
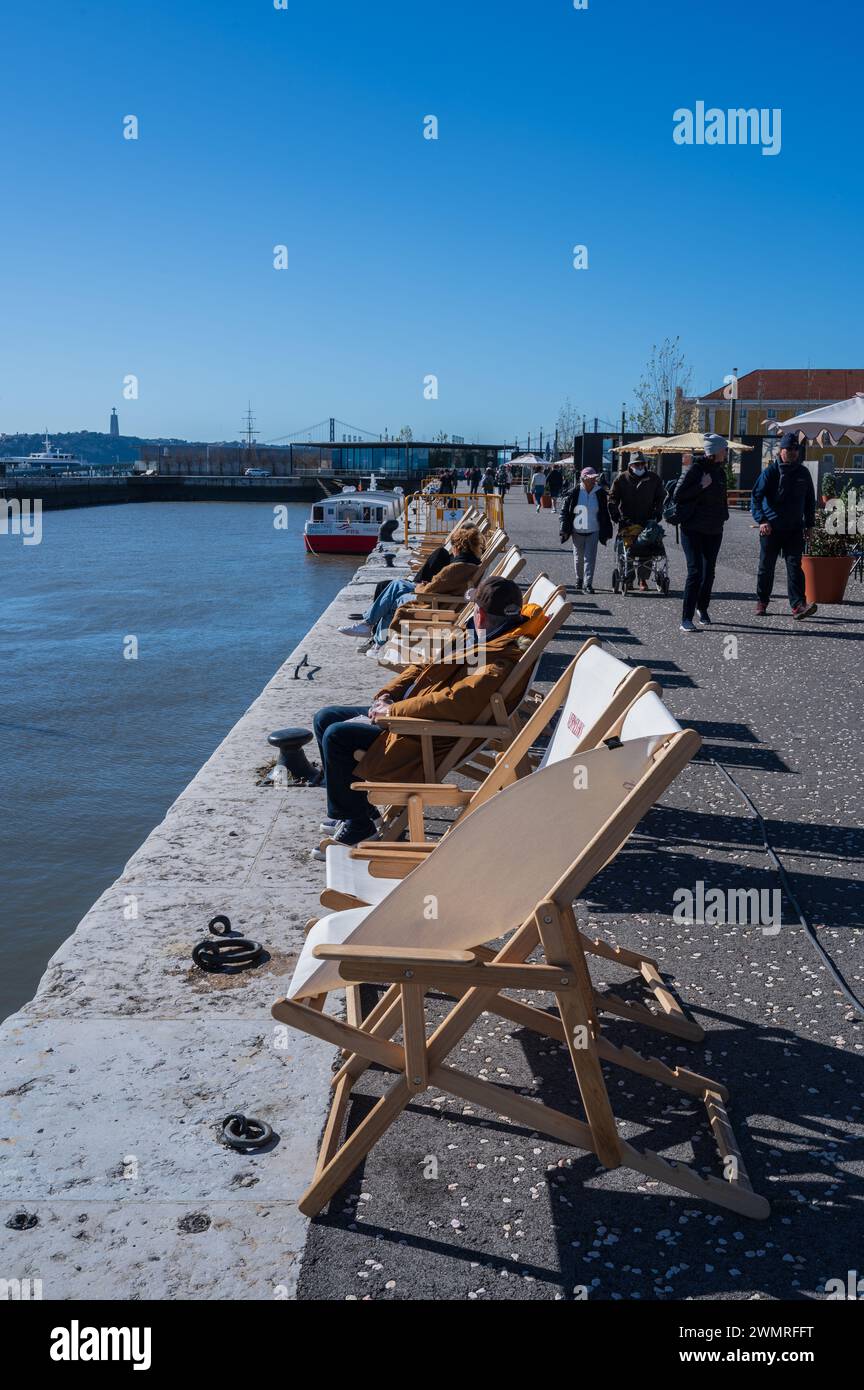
column 221, row 953
column 244, row 1134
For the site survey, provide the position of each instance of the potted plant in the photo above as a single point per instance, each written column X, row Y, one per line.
column 831, row 549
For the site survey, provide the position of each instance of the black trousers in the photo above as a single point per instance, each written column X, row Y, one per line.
column 338, row 741
column 789, row 544
column 700, row 551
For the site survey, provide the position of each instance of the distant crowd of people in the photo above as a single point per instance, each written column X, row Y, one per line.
column 782, row 504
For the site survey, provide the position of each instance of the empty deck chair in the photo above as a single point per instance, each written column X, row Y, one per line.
column 429, row 935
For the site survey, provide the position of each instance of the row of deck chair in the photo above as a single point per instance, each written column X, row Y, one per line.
column 612, row 753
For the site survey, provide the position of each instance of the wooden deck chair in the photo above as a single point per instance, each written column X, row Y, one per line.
column 492, row 553
column 589, row 698
column 366, row 874
column 397, row 653
column 496, row 726
column 472, row 516
column 447, row 608
column 429, row 935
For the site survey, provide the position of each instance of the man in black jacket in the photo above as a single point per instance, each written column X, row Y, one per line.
column 699, row 500
column 783, row 502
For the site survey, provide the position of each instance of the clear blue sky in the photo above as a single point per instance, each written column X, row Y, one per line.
column 410, row 256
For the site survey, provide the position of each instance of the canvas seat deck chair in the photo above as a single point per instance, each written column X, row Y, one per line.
column 496, row 726
column 436, row 610
column 427, row 626
column 368, row 873
column 497, row 560
column 424, row 543
column 589, row 698
column 431, row 934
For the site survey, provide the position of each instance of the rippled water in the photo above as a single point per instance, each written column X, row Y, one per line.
column 95, row 746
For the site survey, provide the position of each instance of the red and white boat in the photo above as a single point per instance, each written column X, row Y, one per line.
column 348, row 523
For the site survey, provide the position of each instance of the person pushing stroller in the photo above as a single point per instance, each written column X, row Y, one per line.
column 636, row 499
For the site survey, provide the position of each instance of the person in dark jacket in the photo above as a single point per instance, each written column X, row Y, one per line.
column 636, row 498
column 699, row 499
column 585, row 520
column 783, row 502
column 555, row 485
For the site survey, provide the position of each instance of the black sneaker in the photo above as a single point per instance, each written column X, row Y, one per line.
column 350, row 832
column 703, row 618
column 589, row 588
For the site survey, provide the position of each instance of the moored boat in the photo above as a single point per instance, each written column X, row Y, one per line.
column 348, row 523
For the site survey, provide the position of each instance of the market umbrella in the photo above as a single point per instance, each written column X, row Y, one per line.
column 674, row 444
column 830, row 422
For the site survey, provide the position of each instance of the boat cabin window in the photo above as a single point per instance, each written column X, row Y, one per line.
column 317, row 513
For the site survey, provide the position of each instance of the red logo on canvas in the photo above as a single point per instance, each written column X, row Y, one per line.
column 575, row 725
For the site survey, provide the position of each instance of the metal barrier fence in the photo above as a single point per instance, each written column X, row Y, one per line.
column 434, row 515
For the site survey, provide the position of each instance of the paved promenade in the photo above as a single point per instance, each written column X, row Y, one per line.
column 511, row 1214
column 114, row 1078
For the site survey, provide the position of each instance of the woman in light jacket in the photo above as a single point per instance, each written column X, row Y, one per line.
column 538, row 486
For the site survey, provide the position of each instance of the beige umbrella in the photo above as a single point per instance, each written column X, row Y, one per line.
column 673, row 444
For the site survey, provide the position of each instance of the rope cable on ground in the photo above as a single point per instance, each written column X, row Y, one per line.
column 787, row 888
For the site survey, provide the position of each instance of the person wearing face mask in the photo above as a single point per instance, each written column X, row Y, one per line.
column 783, row 503
column 701, row 512
column 637, row 498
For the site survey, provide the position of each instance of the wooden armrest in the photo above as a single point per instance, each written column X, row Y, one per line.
column 442, row 729
column 434, row 599
column 386, row 849
column 399, row 793
column 393, row 955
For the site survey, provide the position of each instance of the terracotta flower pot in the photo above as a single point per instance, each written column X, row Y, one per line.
column 825, row 577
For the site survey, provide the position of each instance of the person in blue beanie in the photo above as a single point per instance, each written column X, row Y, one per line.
column 783, row 503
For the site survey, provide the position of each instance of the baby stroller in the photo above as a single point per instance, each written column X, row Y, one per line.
column 640, row 552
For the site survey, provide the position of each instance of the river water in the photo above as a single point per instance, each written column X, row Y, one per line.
column 97, row 746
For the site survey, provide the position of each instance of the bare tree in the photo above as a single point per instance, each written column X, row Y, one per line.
column 568, row 425
column 405, row 435
column 666, row 378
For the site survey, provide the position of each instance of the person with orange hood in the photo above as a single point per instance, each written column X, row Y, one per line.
column 455, row 690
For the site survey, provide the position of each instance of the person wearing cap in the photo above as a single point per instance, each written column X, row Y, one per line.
column 701, row 512
column 586, row 522
column 455, row 691
column 636, row 498
column 783, row 504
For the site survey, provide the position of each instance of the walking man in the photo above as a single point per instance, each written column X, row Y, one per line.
column 701, row 511
column 783, row 503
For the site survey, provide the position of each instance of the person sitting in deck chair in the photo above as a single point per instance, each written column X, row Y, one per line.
column 456, row 691
column 448, row 570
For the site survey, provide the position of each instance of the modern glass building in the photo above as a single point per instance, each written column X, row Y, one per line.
column 384, row 458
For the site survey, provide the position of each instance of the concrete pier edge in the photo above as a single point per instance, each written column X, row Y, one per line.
column 117, row 1074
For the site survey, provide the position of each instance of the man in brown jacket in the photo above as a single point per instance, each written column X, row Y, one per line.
column 457, row 691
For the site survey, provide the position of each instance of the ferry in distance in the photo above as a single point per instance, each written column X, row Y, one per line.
column 49, row 457
column 348, row 523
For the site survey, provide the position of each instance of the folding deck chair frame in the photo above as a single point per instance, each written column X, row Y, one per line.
column 476, row 979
